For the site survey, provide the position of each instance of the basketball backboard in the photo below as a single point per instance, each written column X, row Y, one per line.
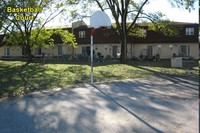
column 100, row 19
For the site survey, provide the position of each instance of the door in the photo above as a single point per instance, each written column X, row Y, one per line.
column 86, row 51
column 114, row 52
column 61, row 50
column 149, row 51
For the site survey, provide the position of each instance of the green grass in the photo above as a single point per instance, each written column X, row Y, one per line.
column 17, row 77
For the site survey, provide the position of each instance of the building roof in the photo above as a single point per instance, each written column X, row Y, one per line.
column 59, row 26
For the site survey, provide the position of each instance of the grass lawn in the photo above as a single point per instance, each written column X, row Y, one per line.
column 17, row 77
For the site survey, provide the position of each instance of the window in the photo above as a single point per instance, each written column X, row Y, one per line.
column 38, row 51
column 61, row 50
column 81, row 34
column 144, row 33
column 189, row 31
column 6, row 51
column 184, row 50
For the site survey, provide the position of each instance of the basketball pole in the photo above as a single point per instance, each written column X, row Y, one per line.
column 92, row 57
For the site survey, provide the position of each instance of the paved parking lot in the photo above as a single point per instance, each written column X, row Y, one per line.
column 151, row 105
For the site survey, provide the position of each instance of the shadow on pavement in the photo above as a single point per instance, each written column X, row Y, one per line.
column 74, row 110
column 152, row 105
column 168, row 103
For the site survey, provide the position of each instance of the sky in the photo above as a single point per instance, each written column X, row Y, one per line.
column 172, row 13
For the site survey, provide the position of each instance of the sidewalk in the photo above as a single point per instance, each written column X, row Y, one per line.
column 151, row 105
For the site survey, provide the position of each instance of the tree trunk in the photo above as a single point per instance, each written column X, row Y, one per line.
column 28, row 47
column 28, row 53
column 123, row 57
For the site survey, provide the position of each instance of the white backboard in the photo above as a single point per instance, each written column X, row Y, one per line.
column 100, row 19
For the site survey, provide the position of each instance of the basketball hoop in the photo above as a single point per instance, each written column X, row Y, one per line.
column 98, row 20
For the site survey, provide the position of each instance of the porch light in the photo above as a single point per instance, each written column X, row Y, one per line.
column 106, row 47
column 170, row 46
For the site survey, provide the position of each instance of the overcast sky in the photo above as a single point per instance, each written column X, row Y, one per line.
column 174, row 14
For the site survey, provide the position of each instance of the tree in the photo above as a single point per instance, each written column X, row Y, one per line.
column 127, row 12
column 42, row 38
column 22, row 22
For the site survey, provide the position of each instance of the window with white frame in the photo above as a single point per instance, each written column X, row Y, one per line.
column 81, row 34
column 184, row 50
column 38, row 51
column 144, row 33
column 189, row 31
column 6, row 51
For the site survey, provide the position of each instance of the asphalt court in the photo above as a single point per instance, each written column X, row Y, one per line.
column 149, row 105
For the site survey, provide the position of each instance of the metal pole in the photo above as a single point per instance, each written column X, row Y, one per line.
column 91, row 54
